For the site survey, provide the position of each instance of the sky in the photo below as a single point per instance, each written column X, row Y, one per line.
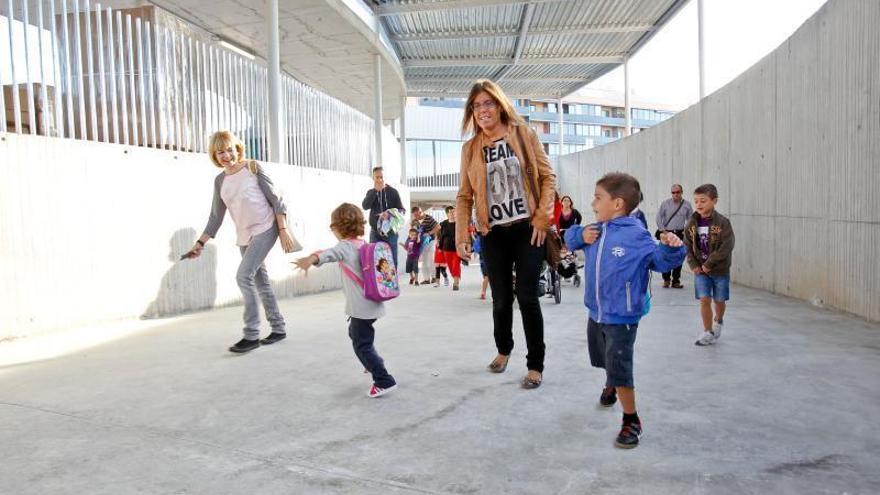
column 738, row 33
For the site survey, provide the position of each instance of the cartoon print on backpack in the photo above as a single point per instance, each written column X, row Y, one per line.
column 386, row 274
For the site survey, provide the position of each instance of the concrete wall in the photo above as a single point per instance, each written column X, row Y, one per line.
column 793, row 145
column 92, row 232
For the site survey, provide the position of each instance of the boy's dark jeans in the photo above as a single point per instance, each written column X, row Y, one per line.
column 506, row 248
column 610, row 347
column 362, row 335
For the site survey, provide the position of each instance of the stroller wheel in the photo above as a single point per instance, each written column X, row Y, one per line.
column 577, row 280
column 557, row 291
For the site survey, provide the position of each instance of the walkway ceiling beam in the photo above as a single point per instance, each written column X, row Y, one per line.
column 520, row 41
column 409, row 8
column 565, row 31
column 464, row 62
column 532, row 94
column 416, row 80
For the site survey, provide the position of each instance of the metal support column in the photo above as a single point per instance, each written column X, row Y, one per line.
column 627, row 109
column 403, row 141
column 701, row 47
column 276, row 125
column 378, row 110
column 561, row 127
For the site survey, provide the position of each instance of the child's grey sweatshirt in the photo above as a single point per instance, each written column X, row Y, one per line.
column 356, row 305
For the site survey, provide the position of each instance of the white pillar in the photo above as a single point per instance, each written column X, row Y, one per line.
column 378, row 110
column 403, row 142
column 277, row 143
column 627, row 109
column 701, row 47
column 561, row 127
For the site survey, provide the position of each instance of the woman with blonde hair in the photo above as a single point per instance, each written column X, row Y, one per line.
column 514, row 222
column 260, row 217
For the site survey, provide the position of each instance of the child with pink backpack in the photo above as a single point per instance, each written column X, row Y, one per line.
column 369, row 277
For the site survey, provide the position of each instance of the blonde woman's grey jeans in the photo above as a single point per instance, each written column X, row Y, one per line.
column 253, row 280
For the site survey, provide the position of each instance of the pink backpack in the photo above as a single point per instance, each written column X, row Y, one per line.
column 378, row 274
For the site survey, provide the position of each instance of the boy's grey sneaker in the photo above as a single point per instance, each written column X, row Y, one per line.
column 716, row 329
column 708, row 338
column 244, row 345
column 272, row 338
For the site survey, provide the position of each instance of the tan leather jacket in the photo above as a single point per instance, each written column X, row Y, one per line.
column 473, row 189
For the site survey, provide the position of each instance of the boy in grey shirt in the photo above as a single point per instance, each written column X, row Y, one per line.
column 347, row 222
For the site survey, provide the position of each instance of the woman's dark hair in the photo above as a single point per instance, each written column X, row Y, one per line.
column 569, row 200
column 348, row 221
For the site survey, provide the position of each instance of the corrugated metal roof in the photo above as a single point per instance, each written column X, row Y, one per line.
column 444, row 45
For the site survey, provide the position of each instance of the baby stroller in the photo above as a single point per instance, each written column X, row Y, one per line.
column 550, row 284
column 568, row 267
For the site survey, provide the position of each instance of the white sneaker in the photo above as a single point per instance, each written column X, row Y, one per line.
column 446, row 282
column 708, row 338
column 716, row 329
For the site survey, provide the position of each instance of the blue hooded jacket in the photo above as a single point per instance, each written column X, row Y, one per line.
column 616, row 268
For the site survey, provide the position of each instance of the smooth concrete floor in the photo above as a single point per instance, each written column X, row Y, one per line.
column 786, row 402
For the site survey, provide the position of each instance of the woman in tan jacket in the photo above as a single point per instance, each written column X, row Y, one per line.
column 507, row 178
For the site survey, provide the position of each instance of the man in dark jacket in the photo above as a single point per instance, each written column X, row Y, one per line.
column 379, row 200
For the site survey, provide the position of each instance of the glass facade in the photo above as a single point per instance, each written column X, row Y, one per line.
column 436, row 161
column 433, row 163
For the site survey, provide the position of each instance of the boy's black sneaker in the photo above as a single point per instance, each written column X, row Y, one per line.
column 608, row 397
column 272, row 338
column 244, row 345
column 628, row 438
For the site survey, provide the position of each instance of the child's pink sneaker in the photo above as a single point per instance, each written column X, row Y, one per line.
column 379, row 392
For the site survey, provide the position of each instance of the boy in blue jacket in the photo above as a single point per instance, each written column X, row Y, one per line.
column 619, row 253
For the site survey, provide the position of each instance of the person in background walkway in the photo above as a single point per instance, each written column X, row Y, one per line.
column 615, row 289
column 513, row 215
column 569, row 215
column 478, row 250
column 446, row 245
column 439, row 264
column 379, row 200
column 347, row 223
column 557, row 210
column 672, row 216
column 428, row 229
column 413, row 247
column 260, row 217
column 637, row 213
column 709, row 239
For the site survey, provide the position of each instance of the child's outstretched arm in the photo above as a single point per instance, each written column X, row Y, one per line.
column 318, row 258
column 668, row 254
column 305, row 263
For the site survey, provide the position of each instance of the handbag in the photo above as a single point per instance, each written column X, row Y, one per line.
column 657, row 232
column 552, row 243
column 253, row 167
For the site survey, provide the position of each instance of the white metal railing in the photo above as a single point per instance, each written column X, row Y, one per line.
column 140, row 77
column 440, row 181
